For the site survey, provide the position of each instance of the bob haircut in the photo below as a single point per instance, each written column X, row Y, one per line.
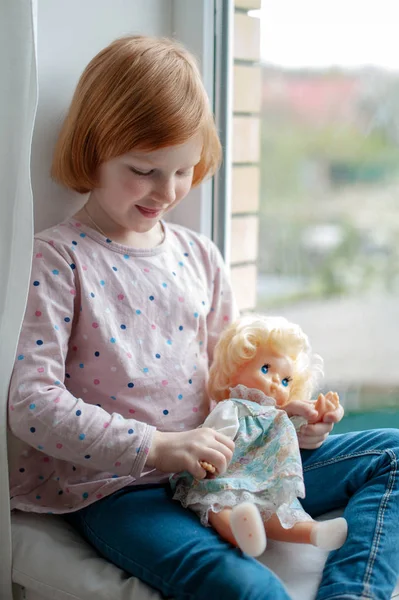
column 138, row 93
column 239, row 345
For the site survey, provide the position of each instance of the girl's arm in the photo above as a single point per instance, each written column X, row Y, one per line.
column 42, row 412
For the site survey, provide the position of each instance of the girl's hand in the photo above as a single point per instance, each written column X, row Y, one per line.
column 176, row 452
column 313, row 435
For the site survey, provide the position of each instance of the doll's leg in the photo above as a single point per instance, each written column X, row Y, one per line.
column 242, row 527
column 328, row 535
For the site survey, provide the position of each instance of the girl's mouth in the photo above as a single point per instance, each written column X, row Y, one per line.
column 150, row 213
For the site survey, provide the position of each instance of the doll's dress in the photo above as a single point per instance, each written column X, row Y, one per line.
column 266, row 467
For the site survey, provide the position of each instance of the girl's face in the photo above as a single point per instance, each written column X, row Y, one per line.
column 137, row 189
column 269, row 372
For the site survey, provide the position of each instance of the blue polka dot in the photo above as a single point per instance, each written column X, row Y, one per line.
column 38, row 497
column 32, row 406
column 169, row 342
column 67, row 375
column 97, row 353
column 102, row 282
column 165, row 412
column 186, row 254
column 41, row 477
column 92, row 295
column 145, row 370
column 126, row 256
column 151, row 298
column 112, row 340
column 82, row 235
column 67, row 319
column 130, row 431
column 22, row 470
column 108, row 241
column 113, row 397
column 40, row 447
column 32, row 429
column 81, row 365
column 130, row 385
column 74, row 243
column 190, row 381
column 39, row 342
column 180, row 396
column 173, row 273
column 87, row 456
column 138, row 312
column 181, row 328
column 78, row 413
column 196, row 315
column 85, row 495
column 56, row 327
column 55, row 272
column 181, row 264
column 57, row 382
column 201, row 343
column 157, row 356
column 21, row 357
column 82, row 436
column 114, row 268
column 191, row 243
column 73, row 266
column 115, row 476
column 165, row 285
column 36, row 283
column 123, row 326
column 203, row 303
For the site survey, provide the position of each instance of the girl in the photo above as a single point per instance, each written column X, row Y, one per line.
column 122, row 317
column 261, row 365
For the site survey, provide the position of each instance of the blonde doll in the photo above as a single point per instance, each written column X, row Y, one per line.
column 261, row 366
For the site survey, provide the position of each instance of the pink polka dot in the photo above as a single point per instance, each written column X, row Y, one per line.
column 96, row 381
column 72, row 292
column 117, row 464
column 153, row 327
column 146, row 450
column 132, row 411
column 120, row 296
column 77, row 224
column 106, row 425
column 146, row 270
column 84, row 267
column 94, row 325
column 59, row 446
column 12, row 407
column 226, row 318
column 128, row 355
column 38, row 313
column 99, row 496
column 46, row 459
column 67, row 490
column 74, row 348
column 40, row 370
column 57, row 400
column 51, row 242
column 39, row 255
column 195, row 409
column 164, row 382
column 181, row 299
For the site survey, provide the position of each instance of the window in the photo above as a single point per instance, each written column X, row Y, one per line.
column 315, row 214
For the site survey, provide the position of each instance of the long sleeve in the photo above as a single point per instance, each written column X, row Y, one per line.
column 224, row 419
column 42, row 411
column 224, row 309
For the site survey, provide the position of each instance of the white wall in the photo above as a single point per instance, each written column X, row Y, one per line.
column 69, row 34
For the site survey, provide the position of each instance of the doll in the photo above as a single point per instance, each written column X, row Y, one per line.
column 261, row 364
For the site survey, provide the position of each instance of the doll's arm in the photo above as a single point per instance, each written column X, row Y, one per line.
column 324, row 404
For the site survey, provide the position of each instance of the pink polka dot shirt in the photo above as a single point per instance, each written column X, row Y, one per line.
column 115, row 343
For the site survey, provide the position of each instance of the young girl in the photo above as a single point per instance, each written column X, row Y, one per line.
column 122, row 317
column 261, row 364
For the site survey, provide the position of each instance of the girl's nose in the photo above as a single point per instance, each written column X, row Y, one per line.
column 166, row 192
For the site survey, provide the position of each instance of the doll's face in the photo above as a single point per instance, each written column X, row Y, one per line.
column 269, row 372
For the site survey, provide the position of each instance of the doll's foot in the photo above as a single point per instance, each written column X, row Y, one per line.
column 329, row 535
column 248, row 529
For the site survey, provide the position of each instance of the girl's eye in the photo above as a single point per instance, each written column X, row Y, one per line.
column 265, row 369
column 143, row 173
column 285, row 382
column 184, row 173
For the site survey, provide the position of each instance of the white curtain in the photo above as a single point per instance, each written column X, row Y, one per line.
column 18, row 102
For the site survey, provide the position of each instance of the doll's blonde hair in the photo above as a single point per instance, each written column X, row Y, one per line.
column 138, row 93
column 239, row 344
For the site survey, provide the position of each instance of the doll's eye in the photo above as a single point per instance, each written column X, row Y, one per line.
column 285, row 382
column 265, row 369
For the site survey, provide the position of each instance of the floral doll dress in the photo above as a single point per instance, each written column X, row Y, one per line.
column 266, row 467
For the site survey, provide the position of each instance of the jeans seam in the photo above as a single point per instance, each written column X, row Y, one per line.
column 380, row 518
column 331, row 461
column 156, row 577
column 350, row 597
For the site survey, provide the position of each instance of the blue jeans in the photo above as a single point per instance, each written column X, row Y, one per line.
column 146, row 533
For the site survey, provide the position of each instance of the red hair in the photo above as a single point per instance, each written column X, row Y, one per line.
column 138, row 93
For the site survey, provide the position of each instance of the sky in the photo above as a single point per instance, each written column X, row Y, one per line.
column 320, row 33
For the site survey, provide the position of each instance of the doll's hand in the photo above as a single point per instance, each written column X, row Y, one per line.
column 313, row 435
column 301, row 408
column 176, row 452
